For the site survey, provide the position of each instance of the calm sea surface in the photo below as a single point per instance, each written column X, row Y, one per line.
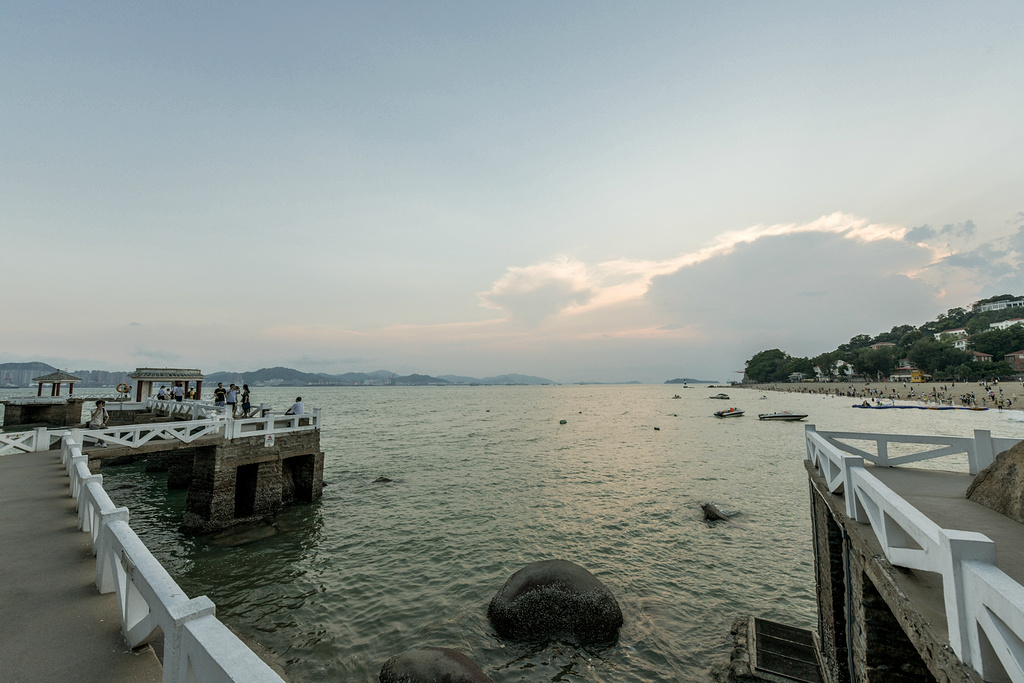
column 486, row 480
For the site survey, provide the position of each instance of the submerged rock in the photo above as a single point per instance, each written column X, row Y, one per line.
column 555, row 600
column 382, row 480
column 713, row 514
column 430, row 665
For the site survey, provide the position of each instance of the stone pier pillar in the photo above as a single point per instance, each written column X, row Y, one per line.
column 247, row 478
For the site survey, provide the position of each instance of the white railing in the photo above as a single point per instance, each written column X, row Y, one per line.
column 134, row 436
column 272, row 423
column 197, row 646
column 984, row 606
column 981, row 450
column 31, row 441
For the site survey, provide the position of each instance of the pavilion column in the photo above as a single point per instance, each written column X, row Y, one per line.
column 199, row 389
column 71, row 389
column 39, row 392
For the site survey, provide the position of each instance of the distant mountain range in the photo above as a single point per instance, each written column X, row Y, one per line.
column 20, row 374
column 287, row 377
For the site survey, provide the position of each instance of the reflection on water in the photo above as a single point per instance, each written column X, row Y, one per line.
column 486, row 480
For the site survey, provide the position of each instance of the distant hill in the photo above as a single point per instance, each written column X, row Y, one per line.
column 689, row 380
column 20, row 374
column 289, row 377
column 498, row 379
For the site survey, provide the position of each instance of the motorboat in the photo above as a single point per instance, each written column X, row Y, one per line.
column 723, row 397
column 731, row 412
column 782, row 416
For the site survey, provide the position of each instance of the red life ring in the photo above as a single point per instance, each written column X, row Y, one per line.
column 123, row 388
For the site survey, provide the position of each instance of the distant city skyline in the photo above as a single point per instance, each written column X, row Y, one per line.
column 584, row 192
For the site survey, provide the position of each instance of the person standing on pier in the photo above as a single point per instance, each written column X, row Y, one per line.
column 218, row 394
column 246, row 406
column 178, row 391
column 232, row 399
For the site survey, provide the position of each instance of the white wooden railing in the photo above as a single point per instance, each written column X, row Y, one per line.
column 136, row 435
column 31, row 441
column 197, row 646
column 984, row 606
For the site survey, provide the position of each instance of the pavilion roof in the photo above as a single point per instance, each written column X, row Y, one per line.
column 59, row 376
column 167, row 374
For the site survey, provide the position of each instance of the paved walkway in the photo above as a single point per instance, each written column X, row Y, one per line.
column 54, row 624
column 941, row 496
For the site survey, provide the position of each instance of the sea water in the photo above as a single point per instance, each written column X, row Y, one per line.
column 486, row 480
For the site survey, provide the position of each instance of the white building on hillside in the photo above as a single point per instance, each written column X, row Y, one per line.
column 957, row 332
column 1000, row 305
column 1003, row 324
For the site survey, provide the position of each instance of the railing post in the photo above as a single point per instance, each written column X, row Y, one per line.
column 42, row 440
column 185, row 612
column 807, row 441
column 849, row 464
column 959, row 547
column 981, row 455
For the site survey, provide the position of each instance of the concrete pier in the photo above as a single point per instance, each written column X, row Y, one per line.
column 54, row 624
column 879, row 622
column 231, row 482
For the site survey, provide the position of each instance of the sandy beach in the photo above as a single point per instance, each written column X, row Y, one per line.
column 987, row 395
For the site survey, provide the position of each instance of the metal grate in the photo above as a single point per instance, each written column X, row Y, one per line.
column 784, row 653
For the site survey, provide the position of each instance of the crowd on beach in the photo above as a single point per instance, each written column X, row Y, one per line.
column 987, row 394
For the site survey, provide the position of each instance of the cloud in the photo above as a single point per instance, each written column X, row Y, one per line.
column 920, row 233
column 142, row 352
column 566, row 287
column 965, row 229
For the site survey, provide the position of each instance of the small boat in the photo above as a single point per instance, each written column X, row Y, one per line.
column 677, row 396
column 782, row 416
column 731, row 412
column 724, row 397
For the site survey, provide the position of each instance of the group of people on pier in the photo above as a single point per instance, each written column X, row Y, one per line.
column 229, row 398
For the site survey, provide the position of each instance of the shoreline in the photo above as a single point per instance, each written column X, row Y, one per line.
column 995, row 395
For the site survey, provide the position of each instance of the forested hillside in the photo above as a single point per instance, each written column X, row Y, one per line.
column 872, row 357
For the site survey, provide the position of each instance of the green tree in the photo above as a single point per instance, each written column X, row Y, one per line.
column 874, row 363
column 801, row 365
column 768, row 366
column 999, row 342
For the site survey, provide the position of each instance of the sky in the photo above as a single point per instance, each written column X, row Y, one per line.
column 582, row 191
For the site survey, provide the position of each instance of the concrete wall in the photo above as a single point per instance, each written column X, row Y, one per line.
column 65, row 414
column 875, row 622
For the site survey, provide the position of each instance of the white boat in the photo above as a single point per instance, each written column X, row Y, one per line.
column 782, row 416
column 731, row 412
column 724, row 397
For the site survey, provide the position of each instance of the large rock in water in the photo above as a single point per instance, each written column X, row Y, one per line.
column 432, row 665
column 555, row 600
column 1000, row 486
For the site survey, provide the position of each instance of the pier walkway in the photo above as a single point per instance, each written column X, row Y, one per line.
column 54, row 624
column 81, row 596
column 912, row 576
